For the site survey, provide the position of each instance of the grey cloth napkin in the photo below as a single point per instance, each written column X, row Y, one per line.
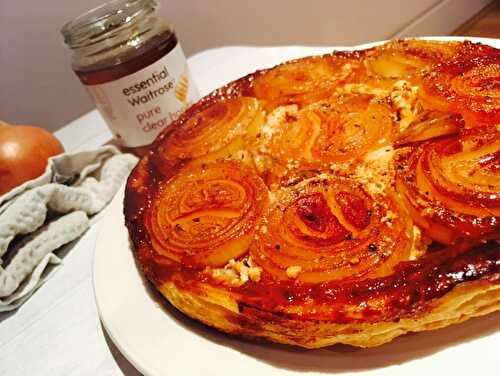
column 40, row 216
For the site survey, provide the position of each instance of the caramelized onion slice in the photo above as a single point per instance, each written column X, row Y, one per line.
column 393, row 64
column 404, row 58
column 223, row 127
column 351, row 125
column 206, row 215
column 469, row 85
column 293, row 133
column 452, row 186
column 303, row 81
column 327, row 228
column 339, row 129
column 428, row 125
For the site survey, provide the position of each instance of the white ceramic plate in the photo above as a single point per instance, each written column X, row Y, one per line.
column 158, row 340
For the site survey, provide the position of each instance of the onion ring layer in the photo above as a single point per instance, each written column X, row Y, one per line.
column 468, row 84
column 304, row 81
column 452, row 186
column 328, row 229
column 206, row 215
column 218, row 130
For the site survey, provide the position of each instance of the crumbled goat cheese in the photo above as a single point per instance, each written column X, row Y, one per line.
column 376, row 174
column 362, row 89
column 404, row 97
column 237, row 273
column 345, row 71
column 420, row 244
column 277, row 117
column 388, row 217
column 293, row 271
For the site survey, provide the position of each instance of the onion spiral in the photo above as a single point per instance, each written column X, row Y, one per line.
column 402, row 59
column 206, row 215
column 328, row 228
column 334, row 130
column 303, row 81
column 452, row 186
column 225, row 126
column 352, row 126
column 469, row 84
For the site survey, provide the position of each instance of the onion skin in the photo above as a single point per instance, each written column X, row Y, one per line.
column 24, row 152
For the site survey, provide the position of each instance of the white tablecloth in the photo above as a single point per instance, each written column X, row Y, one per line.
column 57, row 332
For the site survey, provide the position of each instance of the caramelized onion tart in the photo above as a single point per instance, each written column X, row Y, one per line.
column 346, row 198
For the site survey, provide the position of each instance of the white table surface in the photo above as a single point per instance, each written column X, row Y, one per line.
column 58, row 332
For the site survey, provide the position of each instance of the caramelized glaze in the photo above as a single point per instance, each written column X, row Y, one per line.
column 339, row 240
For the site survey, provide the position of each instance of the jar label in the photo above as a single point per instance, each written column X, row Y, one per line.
column 139, row 106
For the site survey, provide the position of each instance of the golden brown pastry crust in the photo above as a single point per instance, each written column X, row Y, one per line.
column 348, row 198
column 468, row 300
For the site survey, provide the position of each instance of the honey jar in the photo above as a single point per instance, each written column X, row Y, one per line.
column 132, row 65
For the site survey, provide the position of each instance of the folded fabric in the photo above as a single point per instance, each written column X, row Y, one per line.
column 40, row 216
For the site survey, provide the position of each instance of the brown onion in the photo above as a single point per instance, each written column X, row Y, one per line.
column 24, row 151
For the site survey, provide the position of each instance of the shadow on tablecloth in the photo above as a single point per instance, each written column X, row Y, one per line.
column 125, row 366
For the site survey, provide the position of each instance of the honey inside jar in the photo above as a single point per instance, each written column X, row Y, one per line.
column 131, row 62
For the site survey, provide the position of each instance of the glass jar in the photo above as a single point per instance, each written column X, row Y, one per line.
column 133, row 67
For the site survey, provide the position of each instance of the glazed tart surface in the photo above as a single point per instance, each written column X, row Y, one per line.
column 346, row 198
